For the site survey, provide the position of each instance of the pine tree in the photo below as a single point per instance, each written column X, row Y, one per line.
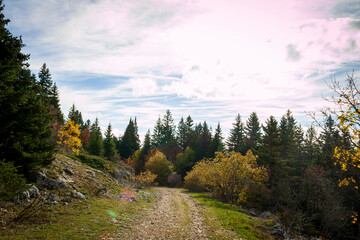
column 252, row 131
column 140, row 163
column 109, row 144
column 287, row 135
column 217, row 142
column 329, row 139
column 311, row 147
column 292, row 138
column 156, row 139
column 45, row 80
column 130, row 140
column 55, row 102
column 51, row 94
column 236, row 138
column 269, row 152
column 25, row 118
column 204, row 142
column 168, row 128
column 181, row 134
column 76, row 116
column 190, row 135
column 95, row 145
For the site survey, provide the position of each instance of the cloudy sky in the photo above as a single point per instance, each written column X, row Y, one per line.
column 210, row 59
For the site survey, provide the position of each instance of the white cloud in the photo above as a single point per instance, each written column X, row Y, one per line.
column 232, row 56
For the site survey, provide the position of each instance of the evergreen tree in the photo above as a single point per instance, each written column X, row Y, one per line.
column 252, row 131
column 168, row 128
column 287, row 135
column 140, row 163
column 204, row 141
column 25, row 118
column 95, row 145
column 190, row 135
column 45, row 80
column 130, row 141
column 51, row 94
column 156, row 139
column 311, row 147
column 182, row 134
column 217, row 142
column 236, row 138
column 329, row 139
column 55, row 102
column 109, row 144
column 269, row 153
column 76, row 116
column 185, row 161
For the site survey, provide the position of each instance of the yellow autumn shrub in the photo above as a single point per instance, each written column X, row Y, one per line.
column 229, row 176
column 145, row 179
column 69, row 137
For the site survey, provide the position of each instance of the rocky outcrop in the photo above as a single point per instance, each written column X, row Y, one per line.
column 33, row 191
column 25, row 196
column 121, row 174
column 78, row 195
column 44, row 182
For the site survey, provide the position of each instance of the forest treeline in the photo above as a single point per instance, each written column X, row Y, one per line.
column 308, row 178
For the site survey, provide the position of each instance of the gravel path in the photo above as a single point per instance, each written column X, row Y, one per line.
column 174, row 216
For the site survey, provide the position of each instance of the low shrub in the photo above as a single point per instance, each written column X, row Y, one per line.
column 230, row 177
column 145, row 179
column 92, row 161
column 174, row 180
column 159, row 165
column 11, row 182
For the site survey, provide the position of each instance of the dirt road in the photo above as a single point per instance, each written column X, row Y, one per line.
column 174, row 216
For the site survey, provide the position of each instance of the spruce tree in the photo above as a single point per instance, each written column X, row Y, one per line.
column 329, row 139
column 168, row 128
column 130, row 140
column 95, row 145
column 55, row 103
column 140, row 164
column 45, row 80
column 311, row 147
column 252, row 131
column 25, row 117
column 181, row 134
column 236, row 138
column 76, row 116
column 269, row 151
column 190, row 135
column 204, row 142
column 156, row 138
column 287, row 135
column 109, row 144
column 217, row 144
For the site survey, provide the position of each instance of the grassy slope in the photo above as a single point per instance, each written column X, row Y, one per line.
column 234, row 218
column 88, row 219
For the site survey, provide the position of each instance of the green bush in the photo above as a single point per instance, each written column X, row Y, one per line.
column 159, row 165
column 11, row 182
column 92, row 161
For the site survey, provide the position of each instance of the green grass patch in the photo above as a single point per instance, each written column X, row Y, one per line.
column 89, row 219
column 234, row 218
column 91, row 160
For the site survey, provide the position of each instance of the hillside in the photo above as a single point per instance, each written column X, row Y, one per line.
column 72, row 200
